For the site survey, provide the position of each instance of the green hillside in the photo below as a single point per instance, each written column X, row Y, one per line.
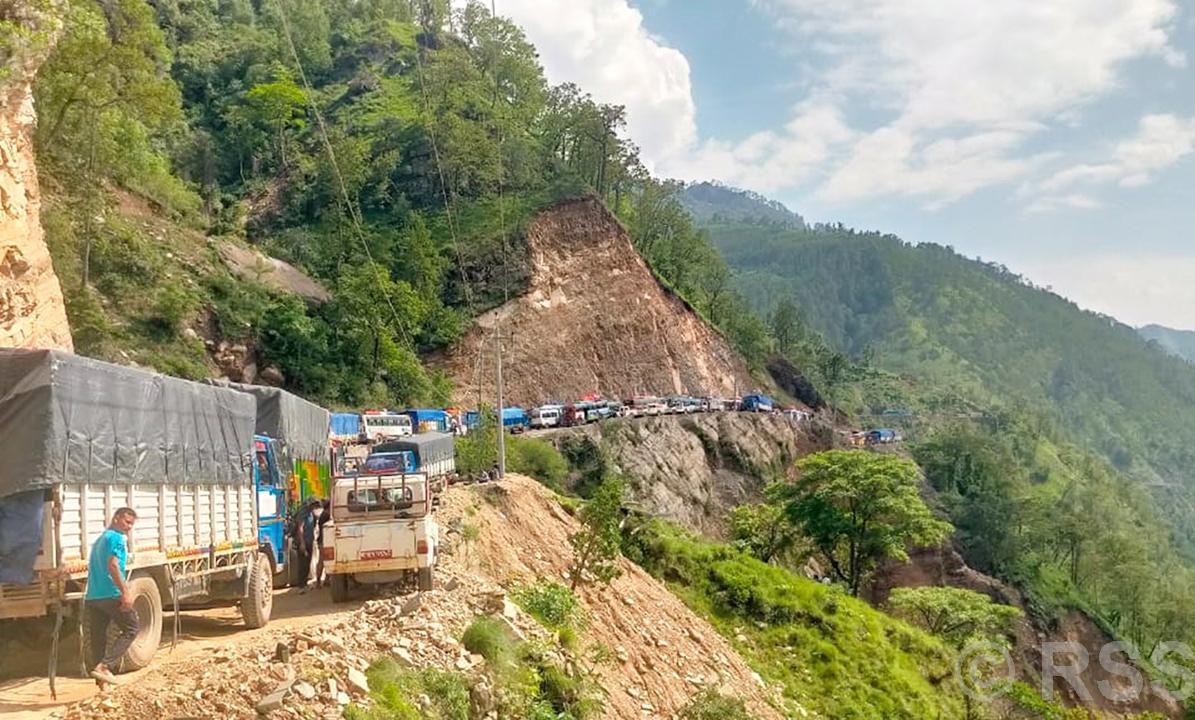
column 981, row 330
column 1180, row 343
column 1060, row 442
column 393, row 151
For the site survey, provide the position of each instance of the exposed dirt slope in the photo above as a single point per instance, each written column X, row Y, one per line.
column 665, row 652
column 692, row 469
column 593, row 319
column 32, row 311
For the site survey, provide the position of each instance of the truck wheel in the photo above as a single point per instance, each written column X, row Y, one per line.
column 340, row 588
column 426, row 582
column 147, row 603
column 255, row 608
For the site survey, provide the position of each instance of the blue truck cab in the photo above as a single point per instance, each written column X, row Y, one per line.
column 271, row 470
column 757, row 403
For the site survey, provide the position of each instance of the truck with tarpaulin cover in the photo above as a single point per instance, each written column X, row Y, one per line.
column 346, row 428
column 433, row 453
column 425, row 420
column 80, row 438
column 291, row 464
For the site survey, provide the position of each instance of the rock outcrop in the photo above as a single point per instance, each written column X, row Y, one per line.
column 593, row 319
column 32, row 311
column 691, row 469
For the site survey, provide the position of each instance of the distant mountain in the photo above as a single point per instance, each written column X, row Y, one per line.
column 983, row 332
column 711, row 202
column 1180, row 343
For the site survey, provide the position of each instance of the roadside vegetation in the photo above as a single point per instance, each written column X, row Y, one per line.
column 828, row 651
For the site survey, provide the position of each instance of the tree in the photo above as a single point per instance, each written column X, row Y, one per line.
column 957, row 615
column 786, row 326
column 596, row 546
column 857, row 508
column 976, row 477
column 762, row 530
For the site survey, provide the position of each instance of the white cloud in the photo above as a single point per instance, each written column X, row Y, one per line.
column 966, row 86
column 952, row 92
column 1161, row 141
column 603, row 47
column 770, row 160
column 1134, row 288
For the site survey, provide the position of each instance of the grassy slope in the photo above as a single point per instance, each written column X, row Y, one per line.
column 830, row 652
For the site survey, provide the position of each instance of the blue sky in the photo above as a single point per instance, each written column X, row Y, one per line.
column 1055, row 136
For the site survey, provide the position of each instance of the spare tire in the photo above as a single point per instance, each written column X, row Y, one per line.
column 147, row 603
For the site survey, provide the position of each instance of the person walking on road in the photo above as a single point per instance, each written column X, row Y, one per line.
column 108, row 599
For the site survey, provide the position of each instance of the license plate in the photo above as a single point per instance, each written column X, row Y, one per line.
column 376, row 554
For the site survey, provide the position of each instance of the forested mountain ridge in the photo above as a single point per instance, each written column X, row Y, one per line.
column 714, row 202
column 928, row 312
column 1176, row 342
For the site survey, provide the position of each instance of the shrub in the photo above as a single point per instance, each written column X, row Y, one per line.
column 487, row 637
column 395, row 691
column 711, row 705
column 553, row 604
column 538, row 459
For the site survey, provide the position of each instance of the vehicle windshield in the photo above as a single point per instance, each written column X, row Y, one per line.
column 382, row 464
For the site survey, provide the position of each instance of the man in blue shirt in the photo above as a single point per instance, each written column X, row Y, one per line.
column 108, row 599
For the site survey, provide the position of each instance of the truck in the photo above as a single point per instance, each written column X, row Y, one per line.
column 429, row 420
column 515, row 419
column 80, row 438
column 290, row 445
column 882, row 436
column 431, row 453
column 381, row 531
column 756, row 403
column 346, row 428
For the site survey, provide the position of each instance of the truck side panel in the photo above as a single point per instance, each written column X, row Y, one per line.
column 172, row 521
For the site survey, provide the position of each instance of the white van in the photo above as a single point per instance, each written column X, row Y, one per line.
column 546, row 416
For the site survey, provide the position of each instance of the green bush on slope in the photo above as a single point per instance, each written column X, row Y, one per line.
column 830, row 652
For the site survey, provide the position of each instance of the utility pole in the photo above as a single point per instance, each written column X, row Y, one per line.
column 501, row 419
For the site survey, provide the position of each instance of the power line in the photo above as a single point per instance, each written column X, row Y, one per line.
column 354, row 217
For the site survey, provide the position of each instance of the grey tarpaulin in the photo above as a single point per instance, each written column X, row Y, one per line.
column 301, row 425
column 65, row 418
column 429, row 448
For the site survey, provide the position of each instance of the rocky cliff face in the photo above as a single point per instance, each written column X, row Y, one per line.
column 32, row 312
column 593, row 319
column 692, row 469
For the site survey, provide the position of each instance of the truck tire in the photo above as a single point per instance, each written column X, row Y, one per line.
column 340, row 588
column 255, row 608
column 426, row 582
column 147, row 603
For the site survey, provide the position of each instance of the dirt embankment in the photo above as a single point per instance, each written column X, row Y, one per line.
column 593, row 319
column 692, row 469
column 32, row 311
column 659, row 654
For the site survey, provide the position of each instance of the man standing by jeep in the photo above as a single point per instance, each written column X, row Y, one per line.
column 108, row 599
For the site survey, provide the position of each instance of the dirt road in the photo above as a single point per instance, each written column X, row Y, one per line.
column 25, row 691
